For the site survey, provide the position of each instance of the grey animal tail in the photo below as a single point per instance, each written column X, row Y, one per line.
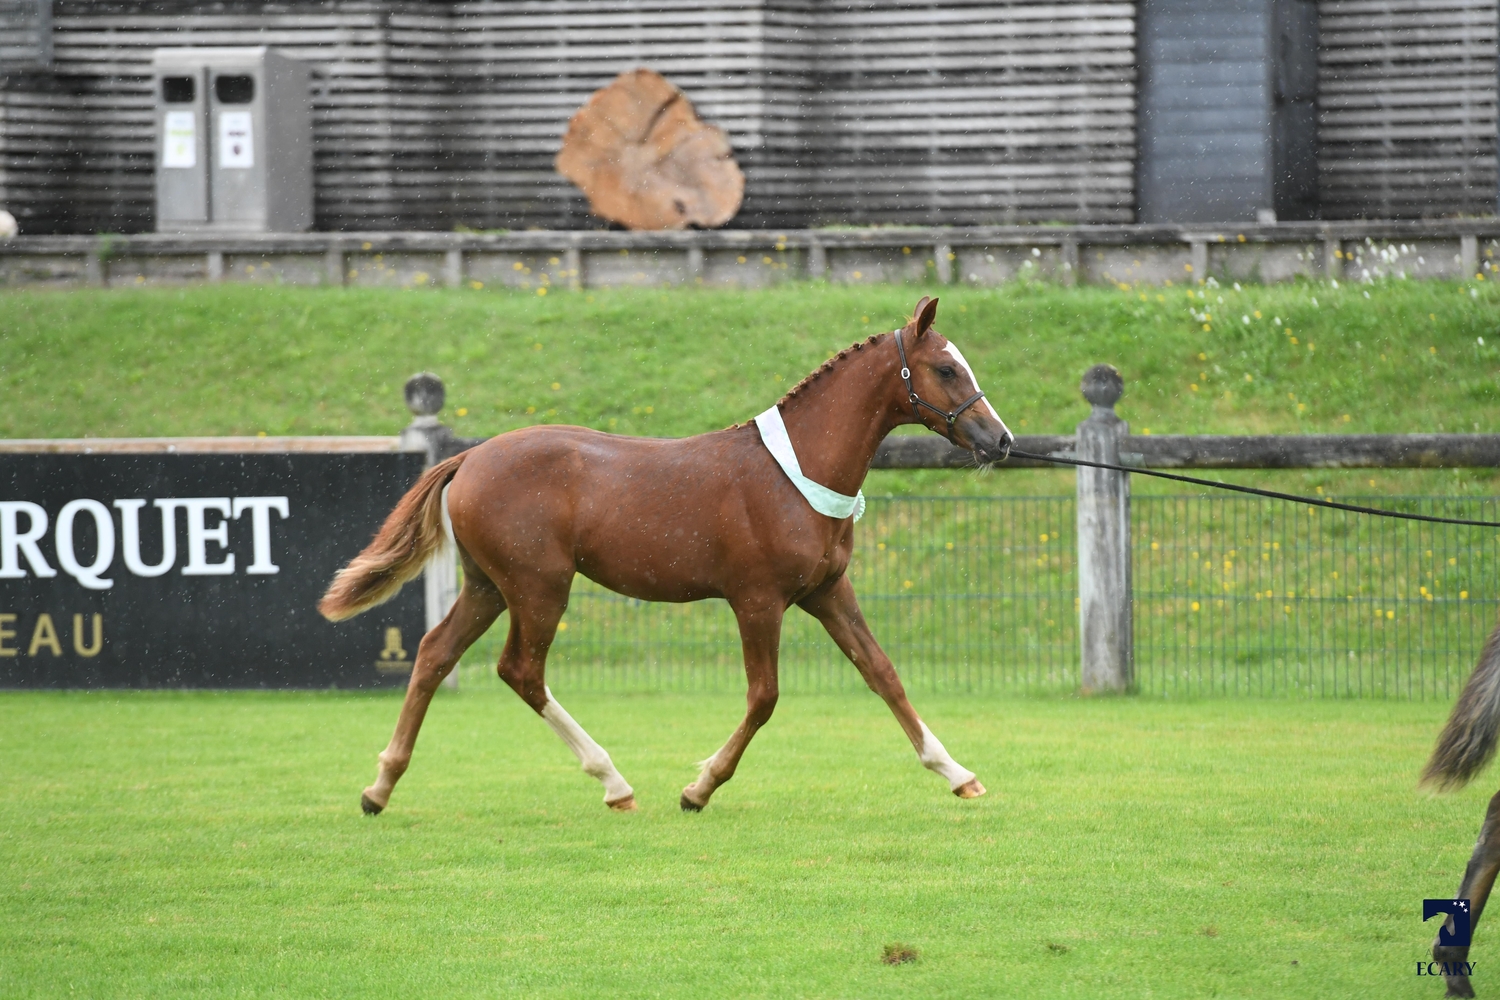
column 1468, row 740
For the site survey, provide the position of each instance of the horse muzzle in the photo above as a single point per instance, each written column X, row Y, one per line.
column 991, row 449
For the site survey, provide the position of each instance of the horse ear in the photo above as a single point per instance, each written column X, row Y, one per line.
column 925, row 314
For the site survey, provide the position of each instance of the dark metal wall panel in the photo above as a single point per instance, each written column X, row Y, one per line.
column 25, row 35
column 1406, row 108
column 1228, row 92
column 1206, row 109
column 1294, row 109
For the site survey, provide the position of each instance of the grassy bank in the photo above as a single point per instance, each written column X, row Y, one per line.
column 244, row 360
column 193, row 845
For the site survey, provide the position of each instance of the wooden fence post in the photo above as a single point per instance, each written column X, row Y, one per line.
column 1105, row 627
column 424, row 397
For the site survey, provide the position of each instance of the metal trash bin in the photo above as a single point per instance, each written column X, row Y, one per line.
column 234, row 141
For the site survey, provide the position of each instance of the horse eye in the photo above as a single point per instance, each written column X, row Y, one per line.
column 946, row 372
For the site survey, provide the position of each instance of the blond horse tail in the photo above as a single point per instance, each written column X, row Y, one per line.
column 409, row 537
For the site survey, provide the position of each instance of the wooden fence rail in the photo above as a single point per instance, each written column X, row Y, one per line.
column 1103, row 508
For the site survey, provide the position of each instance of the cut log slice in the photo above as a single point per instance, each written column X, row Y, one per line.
column 645, row 159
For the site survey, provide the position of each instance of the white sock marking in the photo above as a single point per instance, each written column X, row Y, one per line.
column 958, row 356
column 590, row 754
column 935, row 758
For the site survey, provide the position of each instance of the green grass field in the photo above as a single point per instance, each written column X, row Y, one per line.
column 283, row 360
column 210, row 845
column 165, row 845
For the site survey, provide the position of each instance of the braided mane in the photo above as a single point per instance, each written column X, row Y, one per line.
column 827, row 366
column 817, row 372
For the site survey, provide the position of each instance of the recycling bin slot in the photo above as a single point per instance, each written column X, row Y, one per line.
column 179, row 90
column 234, row 89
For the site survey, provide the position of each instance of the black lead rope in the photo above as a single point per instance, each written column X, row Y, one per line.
column 1315, row 501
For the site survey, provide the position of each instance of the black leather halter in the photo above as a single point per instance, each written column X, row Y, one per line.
column 916, row 401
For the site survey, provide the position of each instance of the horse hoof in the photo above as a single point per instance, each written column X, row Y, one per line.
column 970, row 789
column 369, row 805
column 1459, row 986
column 625, row 805
column 688, row 805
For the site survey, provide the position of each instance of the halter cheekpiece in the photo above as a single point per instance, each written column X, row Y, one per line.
column 916, row 401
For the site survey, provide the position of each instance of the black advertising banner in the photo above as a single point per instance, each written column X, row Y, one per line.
column 198, row 571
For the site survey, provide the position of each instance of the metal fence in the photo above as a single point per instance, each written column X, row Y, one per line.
column 1233, row 596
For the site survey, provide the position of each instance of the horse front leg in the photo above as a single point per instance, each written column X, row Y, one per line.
column 837, row 608
column 1479, row 879
column 479, row 604
column 760, row 637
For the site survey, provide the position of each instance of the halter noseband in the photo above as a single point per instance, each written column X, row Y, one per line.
column 916, row 401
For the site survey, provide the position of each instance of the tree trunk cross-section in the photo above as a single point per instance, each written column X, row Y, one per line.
column 645, row 159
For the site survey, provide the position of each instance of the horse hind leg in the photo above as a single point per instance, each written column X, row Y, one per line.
column 523, row 666
column 479, row 604
column 593, row 758
column 1479, row 879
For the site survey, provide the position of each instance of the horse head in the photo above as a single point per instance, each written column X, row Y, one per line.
column 944, row 392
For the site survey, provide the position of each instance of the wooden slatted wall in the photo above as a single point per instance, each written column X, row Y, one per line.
column 518, row 70
column 432, row 115
column 974, row 112
column 1406, row 108
column 81, row 156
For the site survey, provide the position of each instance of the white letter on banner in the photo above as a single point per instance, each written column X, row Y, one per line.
column 13, row 544
column 260, row 523
column 130, row 536
column 198, row 536
column 67, row 558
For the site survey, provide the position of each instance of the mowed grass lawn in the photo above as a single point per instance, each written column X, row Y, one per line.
column 210, row 844
column 202, row 844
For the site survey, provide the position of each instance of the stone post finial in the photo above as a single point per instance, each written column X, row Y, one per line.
column 425, row 397
column 425, row 394
column 1103, row 386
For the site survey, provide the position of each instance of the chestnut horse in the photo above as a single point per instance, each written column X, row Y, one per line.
column 672, row 520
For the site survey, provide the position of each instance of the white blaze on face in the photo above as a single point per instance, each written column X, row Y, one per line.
column 963, row 363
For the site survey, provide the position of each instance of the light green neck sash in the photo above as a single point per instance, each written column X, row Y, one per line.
column 822, row 499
